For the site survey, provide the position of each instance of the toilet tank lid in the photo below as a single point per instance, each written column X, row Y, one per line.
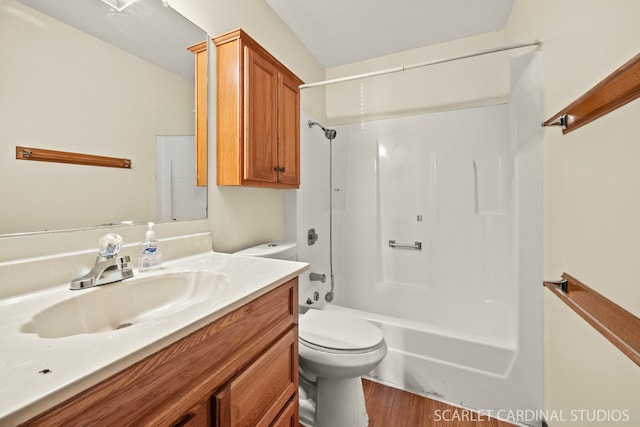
column 280, row 249
column 338, row 331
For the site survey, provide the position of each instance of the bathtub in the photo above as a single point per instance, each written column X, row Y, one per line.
column 428, row 360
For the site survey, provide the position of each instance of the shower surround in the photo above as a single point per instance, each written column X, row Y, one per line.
column 462, row 313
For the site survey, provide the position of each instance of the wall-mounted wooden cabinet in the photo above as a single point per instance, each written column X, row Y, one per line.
column 258, row 116
column 200, row 52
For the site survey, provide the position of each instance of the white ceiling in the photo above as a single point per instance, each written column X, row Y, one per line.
column 336, row 32
column 339, row 32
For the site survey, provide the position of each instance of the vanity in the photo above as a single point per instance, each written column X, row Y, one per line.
column 210, row 339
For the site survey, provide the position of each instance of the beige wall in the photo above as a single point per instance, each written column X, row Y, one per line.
column 591, row 205
column 240, row 217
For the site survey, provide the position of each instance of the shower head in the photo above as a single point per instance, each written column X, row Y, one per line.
column 328, row 133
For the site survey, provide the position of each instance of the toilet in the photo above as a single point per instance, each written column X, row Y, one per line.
column 335, row 350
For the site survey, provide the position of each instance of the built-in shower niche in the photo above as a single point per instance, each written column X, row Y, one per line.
column 492, row 177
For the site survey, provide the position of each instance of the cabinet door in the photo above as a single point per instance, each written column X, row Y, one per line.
column 289, row 415
column 289, row 131
column 261, row 118
column 258, row 395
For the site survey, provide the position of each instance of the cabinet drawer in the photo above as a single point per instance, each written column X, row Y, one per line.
column 258, row 394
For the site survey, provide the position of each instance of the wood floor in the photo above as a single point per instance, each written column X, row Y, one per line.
column 390, row 407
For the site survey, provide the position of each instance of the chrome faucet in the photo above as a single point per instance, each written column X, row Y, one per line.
column 109, row 266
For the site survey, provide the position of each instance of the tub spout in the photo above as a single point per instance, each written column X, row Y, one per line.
column 315, row 277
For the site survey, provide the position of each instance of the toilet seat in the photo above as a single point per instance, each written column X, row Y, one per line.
column 335, row 332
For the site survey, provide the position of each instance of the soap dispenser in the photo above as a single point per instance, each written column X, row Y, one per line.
column 150, row 258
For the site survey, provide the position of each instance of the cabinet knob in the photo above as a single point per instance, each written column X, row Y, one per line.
column 278, row 169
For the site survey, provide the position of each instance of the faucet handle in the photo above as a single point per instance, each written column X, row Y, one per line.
column 123, row 261
column 110, row 244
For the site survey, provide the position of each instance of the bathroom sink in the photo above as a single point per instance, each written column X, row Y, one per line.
column 123, row 304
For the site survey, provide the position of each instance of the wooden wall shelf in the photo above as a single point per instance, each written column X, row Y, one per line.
column 619, row 88
column 616, row 324
column 41, row 155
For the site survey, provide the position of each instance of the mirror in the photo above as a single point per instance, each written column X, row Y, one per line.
column 80, row 76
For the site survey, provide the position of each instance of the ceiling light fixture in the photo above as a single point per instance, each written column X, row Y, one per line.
column 119, row 5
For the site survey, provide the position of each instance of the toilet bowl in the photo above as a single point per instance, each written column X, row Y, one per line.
column 334, row 351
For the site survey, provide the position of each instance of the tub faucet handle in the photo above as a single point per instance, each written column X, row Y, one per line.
column 312, row 236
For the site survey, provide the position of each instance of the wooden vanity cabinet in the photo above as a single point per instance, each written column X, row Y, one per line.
column 258, row 116
column 240, row 370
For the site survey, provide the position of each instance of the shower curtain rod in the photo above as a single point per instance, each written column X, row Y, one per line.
column 420, row 65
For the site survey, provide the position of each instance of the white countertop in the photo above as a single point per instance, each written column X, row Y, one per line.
column 37, row 373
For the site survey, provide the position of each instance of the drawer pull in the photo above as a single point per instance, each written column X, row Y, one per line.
column 185, row 420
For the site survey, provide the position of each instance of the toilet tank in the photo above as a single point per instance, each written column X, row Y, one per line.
column 277, row 250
